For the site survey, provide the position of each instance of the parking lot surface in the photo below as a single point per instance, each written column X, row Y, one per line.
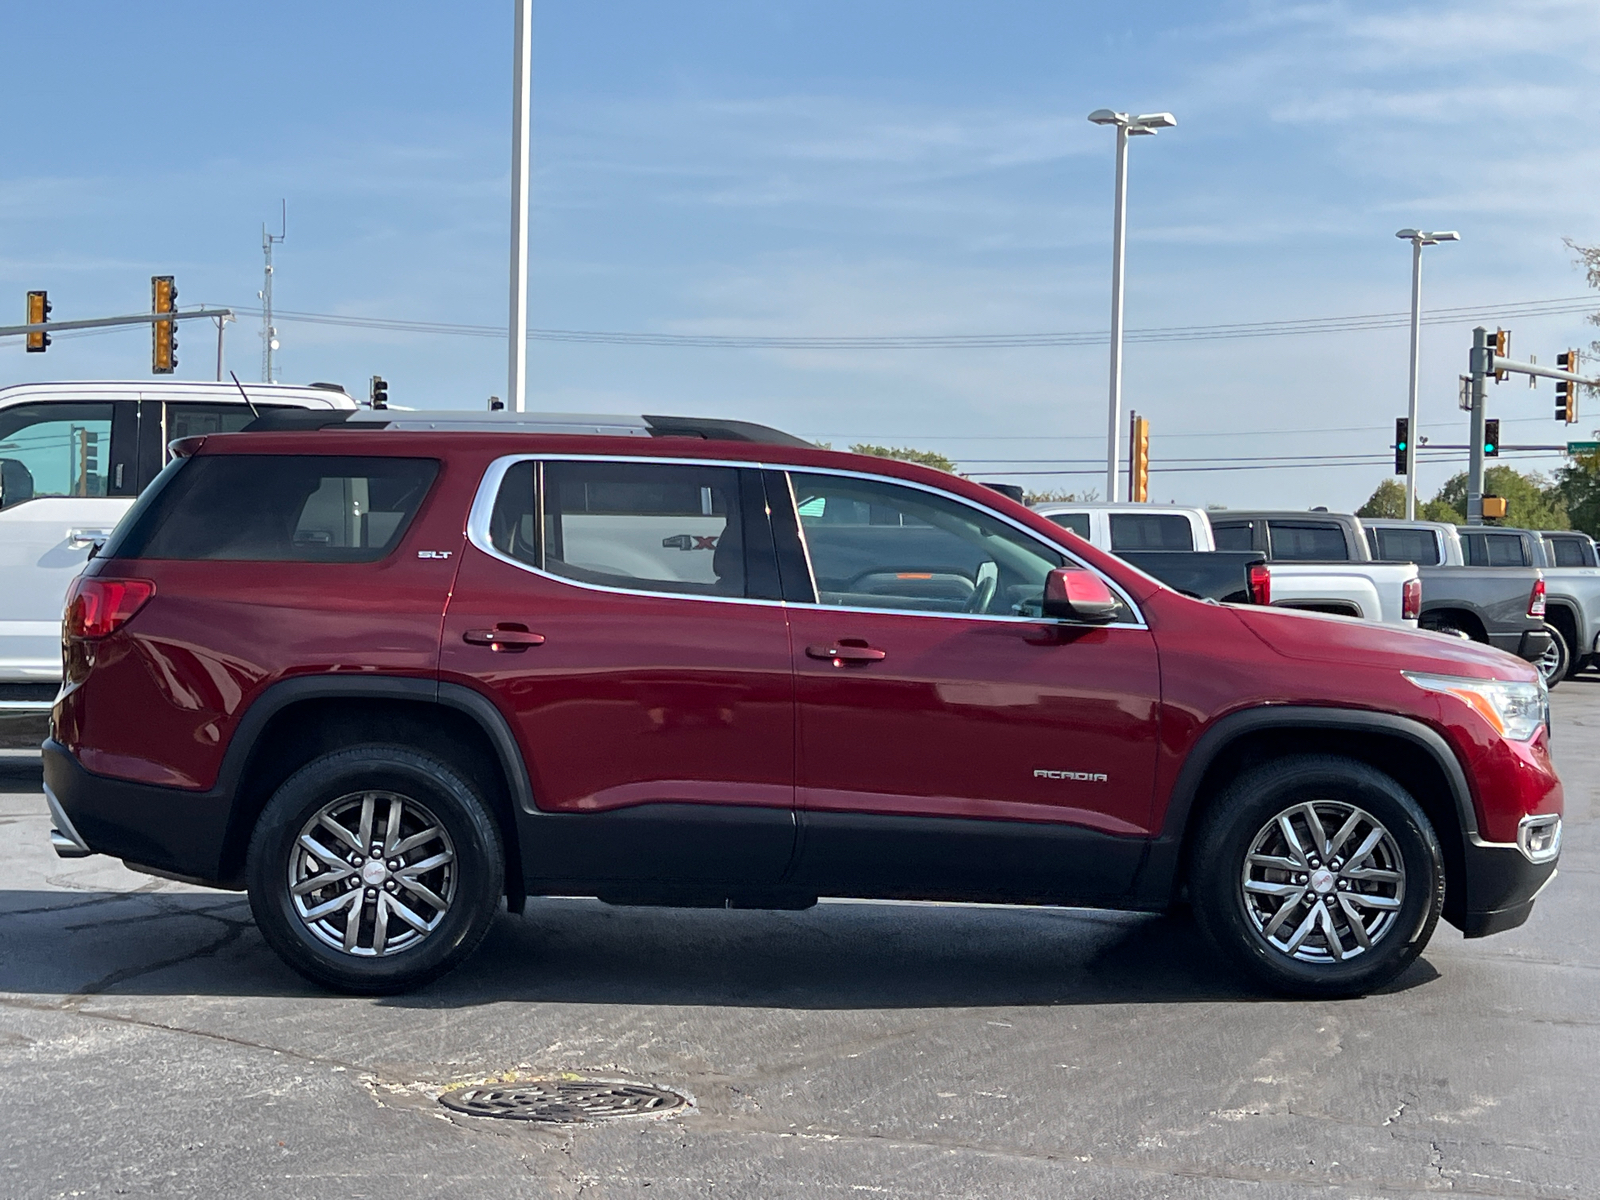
column 151, row 1045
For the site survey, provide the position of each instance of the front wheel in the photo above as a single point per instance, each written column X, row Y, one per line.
column 374, row 869
column 1319, row 876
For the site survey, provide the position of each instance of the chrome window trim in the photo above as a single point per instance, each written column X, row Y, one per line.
column 478, row 521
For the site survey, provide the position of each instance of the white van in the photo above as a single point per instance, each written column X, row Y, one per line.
column 73, row 456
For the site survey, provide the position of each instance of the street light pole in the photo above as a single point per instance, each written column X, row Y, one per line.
column 1119, row 238
column 517, row 326
column 1127, row 127
column 1418, row 240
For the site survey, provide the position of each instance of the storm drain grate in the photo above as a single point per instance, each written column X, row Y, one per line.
column 563, row 1101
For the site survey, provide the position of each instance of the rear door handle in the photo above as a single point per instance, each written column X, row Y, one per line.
column 852, row 651
column 505, row 638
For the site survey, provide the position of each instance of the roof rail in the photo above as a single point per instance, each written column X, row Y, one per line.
column 706, row 428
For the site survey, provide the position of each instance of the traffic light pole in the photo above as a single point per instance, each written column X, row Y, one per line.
column 1479, row 370
column 1486, row 362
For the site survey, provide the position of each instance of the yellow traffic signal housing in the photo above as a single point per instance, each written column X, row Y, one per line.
column 1502, row 349
column 38, row 314
column 1495, row 506
column 163, row 334
column 1566, row 389
column 1139, row 460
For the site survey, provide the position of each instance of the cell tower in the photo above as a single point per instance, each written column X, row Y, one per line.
column 269, row 331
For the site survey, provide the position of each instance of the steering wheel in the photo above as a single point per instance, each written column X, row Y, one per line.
column 983, row 587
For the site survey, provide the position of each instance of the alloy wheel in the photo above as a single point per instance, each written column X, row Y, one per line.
column 372, row 873
column 1323, row 881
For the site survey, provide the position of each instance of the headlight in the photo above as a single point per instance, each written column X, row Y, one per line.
column 1516, row 710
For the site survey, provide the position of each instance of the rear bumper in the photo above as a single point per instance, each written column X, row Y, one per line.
column 175, row 832
column 1528, row 645
column 1500, row 888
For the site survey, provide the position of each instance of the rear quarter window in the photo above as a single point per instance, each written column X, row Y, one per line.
column 1566, row 552
column 278, row 508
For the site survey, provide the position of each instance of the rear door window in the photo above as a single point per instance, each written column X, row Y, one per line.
column 1309, row 541
column 1077, row 522
column 1151, row 531
column 1234, row 535
column 1494, row 550
column 279, row 508
column 1567, row 552
column 1420, row 546
column 654, row 527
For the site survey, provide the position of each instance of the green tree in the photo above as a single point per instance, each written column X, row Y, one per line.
column 1532, row 501
column 1579, row 485
column 928, row 458
column 1058, row 497
column 1388, row 499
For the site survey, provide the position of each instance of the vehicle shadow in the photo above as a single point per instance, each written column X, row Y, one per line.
column 836, row 956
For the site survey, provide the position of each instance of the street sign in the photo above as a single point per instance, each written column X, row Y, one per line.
column 1583, row 447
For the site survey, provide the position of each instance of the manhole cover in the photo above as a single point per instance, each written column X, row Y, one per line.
column 563, row 1101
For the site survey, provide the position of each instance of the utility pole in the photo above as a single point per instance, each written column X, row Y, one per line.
column 269, row 332
column 521, row 107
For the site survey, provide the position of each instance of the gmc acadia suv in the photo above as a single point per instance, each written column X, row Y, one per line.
column 387, row 677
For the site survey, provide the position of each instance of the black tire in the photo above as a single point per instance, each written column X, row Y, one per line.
column 1555, row 663
column 470, row 877
column 1244, row 811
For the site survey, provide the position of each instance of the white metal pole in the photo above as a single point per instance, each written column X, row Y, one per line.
column 1118, row 237
column 517, row 328
column 1412, row 432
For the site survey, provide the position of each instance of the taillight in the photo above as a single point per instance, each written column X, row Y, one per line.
column 1260, row 583
column 1536, row 600
column 1411, row 600
column 97, row 607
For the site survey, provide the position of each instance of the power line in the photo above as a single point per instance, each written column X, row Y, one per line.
column 959, row 341
column 1156, row 469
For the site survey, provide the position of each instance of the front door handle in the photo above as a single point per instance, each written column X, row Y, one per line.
column 852, row 651
column 506, row 638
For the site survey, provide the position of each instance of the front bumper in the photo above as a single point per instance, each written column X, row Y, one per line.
column 167, row 830
column 1500, row 886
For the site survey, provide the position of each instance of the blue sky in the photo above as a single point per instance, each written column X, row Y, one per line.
column 826, row 168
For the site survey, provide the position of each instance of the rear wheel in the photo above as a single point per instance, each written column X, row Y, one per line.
column 1319, row 876
column 375, row 869
column 1555, row 662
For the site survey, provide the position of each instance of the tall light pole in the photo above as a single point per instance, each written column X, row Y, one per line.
column 1418, row 239
column 517, row 327
column 1127, row 127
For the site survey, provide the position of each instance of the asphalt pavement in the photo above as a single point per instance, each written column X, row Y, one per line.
column 151, row 1045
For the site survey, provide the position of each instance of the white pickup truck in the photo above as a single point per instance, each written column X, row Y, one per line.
column 1306, row 571
column 73, row 458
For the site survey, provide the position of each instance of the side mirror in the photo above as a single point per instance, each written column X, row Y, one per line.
column 1074, row 594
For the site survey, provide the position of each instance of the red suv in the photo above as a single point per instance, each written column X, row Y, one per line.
column 385, row 677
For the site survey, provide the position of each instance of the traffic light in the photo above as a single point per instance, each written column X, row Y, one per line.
column 38, row 314
column 1566, row 389
column 1402, row 443
column 1139, row 460
column 1501, row 348
column 163, row 334
column 378, row 395
column 1491, row 438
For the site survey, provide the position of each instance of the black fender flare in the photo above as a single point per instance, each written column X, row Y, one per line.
column 1159, row 872
column 479, row 708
